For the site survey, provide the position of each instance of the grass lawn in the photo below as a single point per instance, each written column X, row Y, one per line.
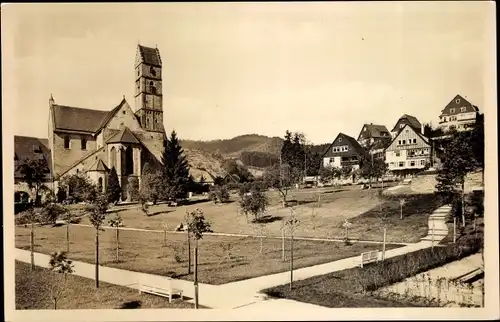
column 33, row 291
column 361, row 207
column 144, row 252
column 353, row 287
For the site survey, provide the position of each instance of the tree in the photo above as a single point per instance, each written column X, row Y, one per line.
column 150, row 188
column 79, row 187
column 69, row 216
column 32, row 216
column 219, row 194
column 458, row 160
column 346, row 171
column 133, row 189
column 254, row 203
column 175, row 170
column 116, row 221
column 34, row 172
column 60, row 265
column 329, row 173
column 372, row 166
column 282, row 178
column 198, row 226
column 292, row 224
column 113, row 191
column 98, row 210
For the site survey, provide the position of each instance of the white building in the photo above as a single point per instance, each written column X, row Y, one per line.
column 459, row 113
column 408, row 153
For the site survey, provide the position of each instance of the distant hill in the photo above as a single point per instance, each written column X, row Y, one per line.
column 232, row 148
column 253, row 150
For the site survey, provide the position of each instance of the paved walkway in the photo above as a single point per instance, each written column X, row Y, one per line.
column 246, row 293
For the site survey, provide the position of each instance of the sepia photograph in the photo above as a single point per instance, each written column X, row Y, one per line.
column 250, row 161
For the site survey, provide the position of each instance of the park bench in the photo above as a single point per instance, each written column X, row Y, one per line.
column 368, row 257
column 164, row 290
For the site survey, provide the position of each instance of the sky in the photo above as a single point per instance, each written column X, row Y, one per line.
column 241, row 68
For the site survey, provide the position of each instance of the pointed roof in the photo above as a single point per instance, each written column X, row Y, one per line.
column 110, row 114
column 357, row 148
column 457, row 102
column 373, row 131
column 124, row 136
column 412, row 121
column 150, row 56
column 99, row 166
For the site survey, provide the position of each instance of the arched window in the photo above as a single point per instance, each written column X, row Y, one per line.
column 99, row 184
column 66, row 142
column 152, row 71
column 129, row 161
column 113, row 157
column 84, row 144
column 152, row 88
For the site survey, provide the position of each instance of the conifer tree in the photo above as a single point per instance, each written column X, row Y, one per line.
column 113, row 190
column 175, row 168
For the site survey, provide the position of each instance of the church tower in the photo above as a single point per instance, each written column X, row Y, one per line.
column 148, row 88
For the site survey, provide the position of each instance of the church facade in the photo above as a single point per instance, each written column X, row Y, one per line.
column 82, row 140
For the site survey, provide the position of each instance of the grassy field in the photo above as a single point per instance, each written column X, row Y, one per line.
column 323, row 220
column 33, row 291
column 353, row 287
column 144, row 252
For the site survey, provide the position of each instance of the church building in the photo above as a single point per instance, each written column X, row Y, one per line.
column 82, row 140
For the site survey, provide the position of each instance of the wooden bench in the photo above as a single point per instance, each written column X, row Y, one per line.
column 165, row 290
column 368, row 257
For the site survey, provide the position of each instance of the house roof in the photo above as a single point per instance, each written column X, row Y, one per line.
column 412, row 121
column 457, row 102
column 357, row 148
column 99, row 166
column 124, row 136
column 373, row 131
column 77, row 119
column 82, row 119
column 32, row 148
column 150, row 56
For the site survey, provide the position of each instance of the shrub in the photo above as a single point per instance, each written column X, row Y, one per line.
column 133, row 189
column 51, row 213
column 113, row 190
column 219, row 194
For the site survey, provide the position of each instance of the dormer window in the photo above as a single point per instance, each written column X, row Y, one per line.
column 340, row 139
column 457, row 101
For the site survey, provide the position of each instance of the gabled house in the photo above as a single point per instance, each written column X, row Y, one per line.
column 374, row 137
column 408, row 153
column 373, row 133
column 344, row 151
column 459, row 114
column 404, row 120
